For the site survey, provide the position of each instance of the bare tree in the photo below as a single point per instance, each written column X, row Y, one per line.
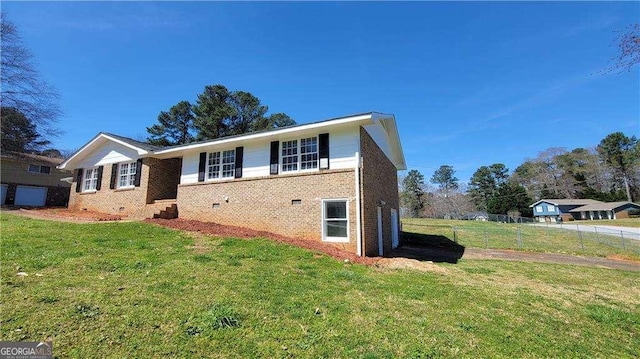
column 23, row 89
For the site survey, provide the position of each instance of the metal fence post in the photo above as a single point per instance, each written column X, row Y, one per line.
column 597, row 235
column 580, row 237
column 622, row 236
column 455, row 235
column 486, row 239
column 519, row 236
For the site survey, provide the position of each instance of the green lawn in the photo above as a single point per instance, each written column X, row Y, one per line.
column 479, row 234
column 137, row 290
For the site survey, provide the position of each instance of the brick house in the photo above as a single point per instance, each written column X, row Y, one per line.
column 33, row 180
column 333, row 181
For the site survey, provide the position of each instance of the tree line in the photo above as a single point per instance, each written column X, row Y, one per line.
column 607, row 172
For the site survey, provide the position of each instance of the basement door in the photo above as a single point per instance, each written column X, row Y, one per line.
column 395, row 240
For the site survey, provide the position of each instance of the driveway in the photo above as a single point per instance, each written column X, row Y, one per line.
column 627, row 232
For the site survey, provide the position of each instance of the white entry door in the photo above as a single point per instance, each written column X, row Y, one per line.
column 380, row 249
column 30, row 196
column 395, row 240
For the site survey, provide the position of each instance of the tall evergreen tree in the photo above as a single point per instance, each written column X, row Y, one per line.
column 485, row 182
column 412, row 193
column 445, row 179
column 622, row 154
column 19, row 134
column 174, row 127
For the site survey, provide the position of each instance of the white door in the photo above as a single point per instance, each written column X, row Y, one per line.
column 30, row 196
column 395, row 240
column 4, row 193
column 380, row 249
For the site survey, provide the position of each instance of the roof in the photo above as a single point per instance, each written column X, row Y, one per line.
column 133, row 142
column 32, row 157
column 386, row 120
column 567, row 202
column 603, row 206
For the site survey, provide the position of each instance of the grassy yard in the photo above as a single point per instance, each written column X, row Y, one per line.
column 479, row 234
column 137, row 290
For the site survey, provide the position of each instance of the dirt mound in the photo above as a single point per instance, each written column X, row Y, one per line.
column 219, row 230
column 64, row 214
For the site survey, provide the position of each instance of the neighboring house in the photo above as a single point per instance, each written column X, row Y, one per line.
column 608, row 210
column 553, row 210
column 33, row 180
column 333, row 181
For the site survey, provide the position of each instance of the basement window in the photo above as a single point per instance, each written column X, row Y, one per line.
column 296, row 201
column 335, row 218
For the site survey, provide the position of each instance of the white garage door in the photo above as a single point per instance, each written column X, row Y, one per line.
column 30, row 196
column 4, row 193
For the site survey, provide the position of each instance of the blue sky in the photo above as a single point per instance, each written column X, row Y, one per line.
column 470, row 83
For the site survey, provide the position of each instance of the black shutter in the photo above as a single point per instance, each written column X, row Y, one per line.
column 323, row 150
column 239, row 153
column 275, row 146
column 114, row 175
column 201, row 165
column 138, row 173
column 99, row 183
column 79, row 180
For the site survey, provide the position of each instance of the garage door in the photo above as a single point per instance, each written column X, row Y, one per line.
column 30, row 196
column 4, row 193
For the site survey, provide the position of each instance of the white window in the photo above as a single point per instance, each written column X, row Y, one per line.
column 539, row 208
column 551, row 208
column 127, row 174
column 90, row 180
column 301, row 154
column 335, row 218
column 39, row 169
column 221, row 164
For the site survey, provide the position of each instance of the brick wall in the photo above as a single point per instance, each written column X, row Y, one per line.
column 379, row 182
column 131, row 202
column 265, row 203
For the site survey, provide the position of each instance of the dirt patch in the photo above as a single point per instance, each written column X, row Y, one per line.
column 219, row 230
column 408, row 263
column 62, row 214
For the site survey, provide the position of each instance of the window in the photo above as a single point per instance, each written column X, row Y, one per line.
column 90, row 180
column 539, row 209
column 301, row 154
column 551, row 208
column 221, row 164
column 127, row 174
column 335, row 227
column 289, row 156
column 39, row 169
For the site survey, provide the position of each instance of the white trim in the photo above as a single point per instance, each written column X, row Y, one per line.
column 358, row 210
column 84, row 179
column 139, row 150
column 298, row 155
column 129, row 180
column 367, row 118
column 325, row 238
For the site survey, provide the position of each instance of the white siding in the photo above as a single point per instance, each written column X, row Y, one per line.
column 109, row 153
column 343, row 144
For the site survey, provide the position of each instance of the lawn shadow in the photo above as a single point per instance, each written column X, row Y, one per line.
column 425, row 247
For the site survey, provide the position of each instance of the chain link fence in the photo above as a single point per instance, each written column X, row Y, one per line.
column 533, row 236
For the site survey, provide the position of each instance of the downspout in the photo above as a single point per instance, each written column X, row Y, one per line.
column 358, row 210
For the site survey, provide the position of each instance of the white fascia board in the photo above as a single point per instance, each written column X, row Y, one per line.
column 91, row 143
column 388, row 122
column 256, row 136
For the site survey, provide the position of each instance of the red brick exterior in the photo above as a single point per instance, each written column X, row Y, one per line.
column 136, row 202
column 379, row 188
column 265, row 203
